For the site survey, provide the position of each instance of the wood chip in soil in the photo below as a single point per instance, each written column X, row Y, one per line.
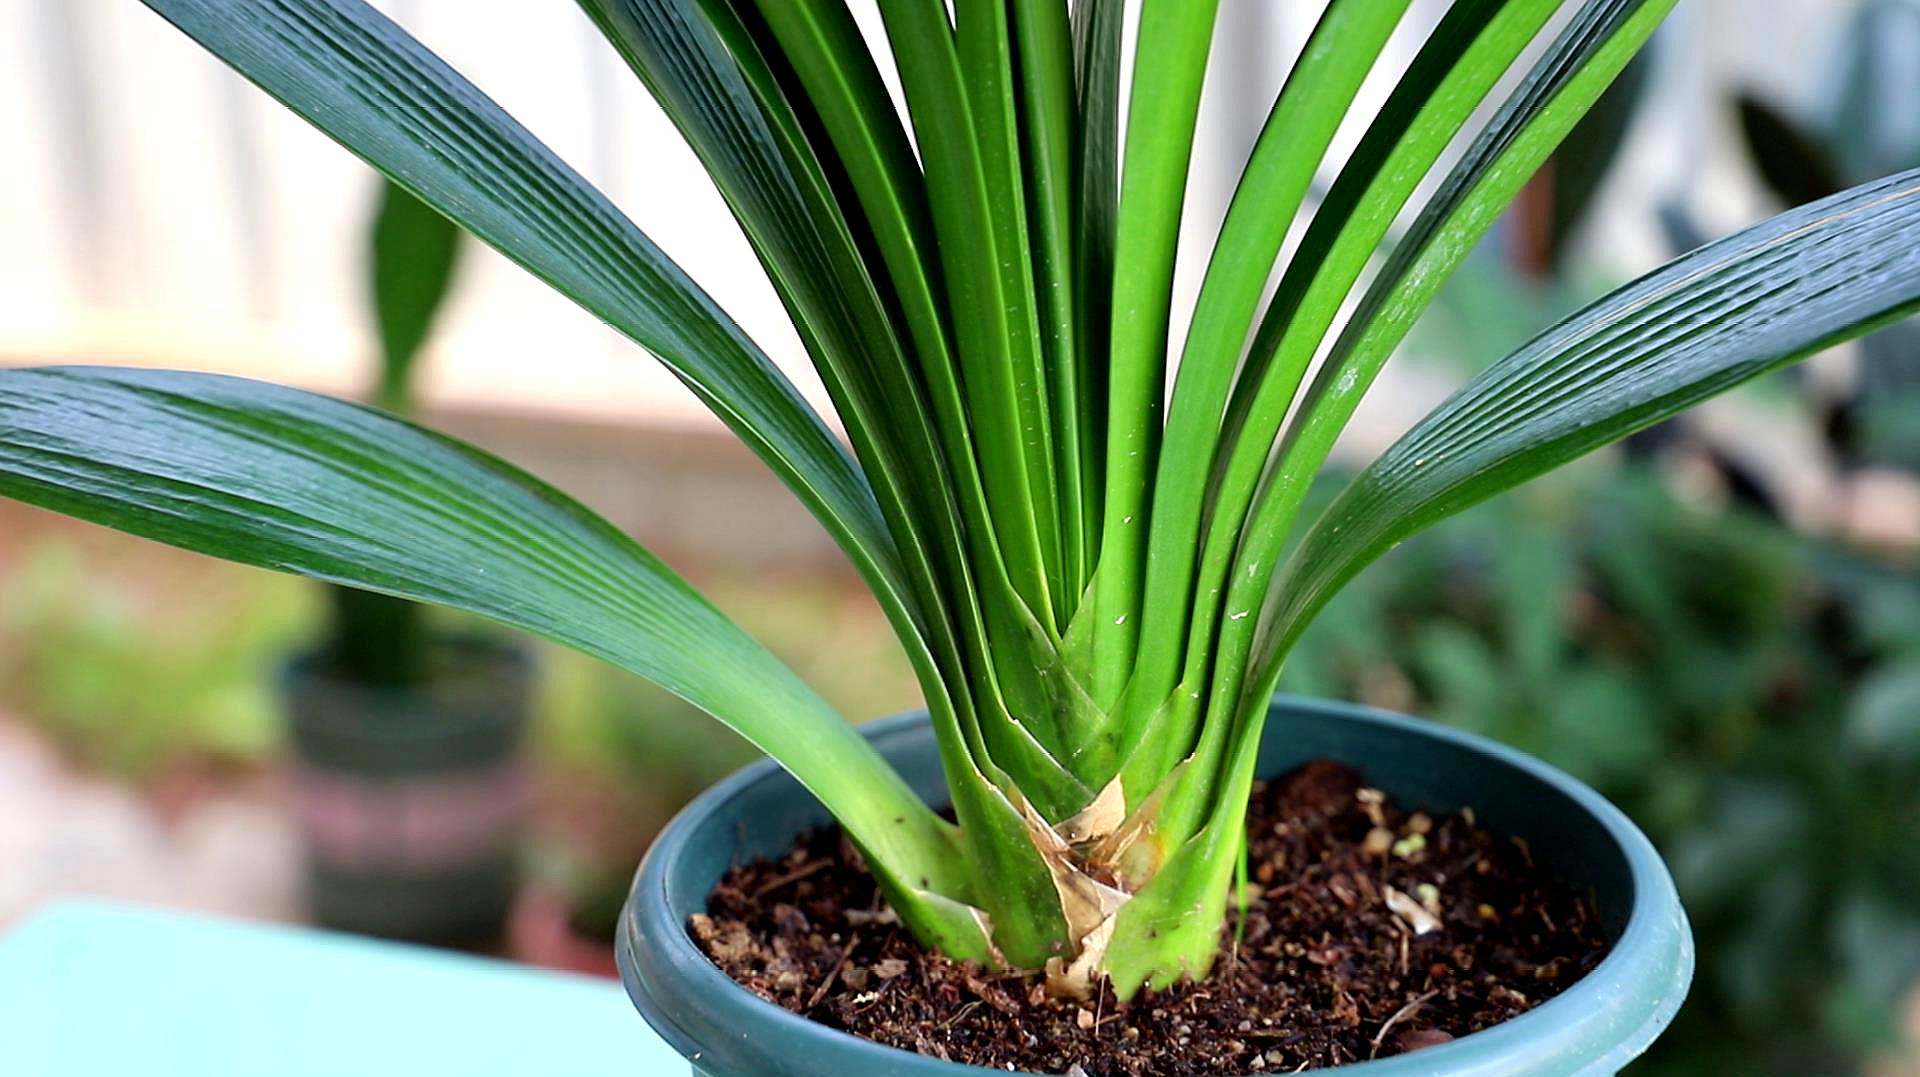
column 1373, row 931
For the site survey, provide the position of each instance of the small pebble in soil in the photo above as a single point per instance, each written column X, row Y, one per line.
column 1326, row 969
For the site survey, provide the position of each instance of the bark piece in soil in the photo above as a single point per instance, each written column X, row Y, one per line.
column 1324, row 973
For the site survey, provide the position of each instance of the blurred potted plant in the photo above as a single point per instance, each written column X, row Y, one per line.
column 1094, row 584
column 409, row 774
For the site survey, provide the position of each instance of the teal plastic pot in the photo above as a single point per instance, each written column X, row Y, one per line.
column 412, row 801
column 1595, row 1027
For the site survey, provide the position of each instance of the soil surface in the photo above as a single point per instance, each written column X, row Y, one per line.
column 1372, row 931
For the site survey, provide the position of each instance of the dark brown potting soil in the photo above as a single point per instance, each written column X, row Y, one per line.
column 1372, row 931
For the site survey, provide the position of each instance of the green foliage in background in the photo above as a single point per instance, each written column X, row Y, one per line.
column 133, row 672
column 1749, row 695
column 1747, row 692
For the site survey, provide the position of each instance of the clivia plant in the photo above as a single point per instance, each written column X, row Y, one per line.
column 1087, row 536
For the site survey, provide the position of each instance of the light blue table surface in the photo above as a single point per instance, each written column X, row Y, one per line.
column 90, row 988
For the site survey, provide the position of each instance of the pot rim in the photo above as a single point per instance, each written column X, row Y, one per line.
column 417, row 710
column 1656, row 945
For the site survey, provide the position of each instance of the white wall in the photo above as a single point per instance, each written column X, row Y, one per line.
column 155, row 209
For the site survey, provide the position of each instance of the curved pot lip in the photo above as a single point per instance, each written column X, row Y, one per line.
column 1656, row 946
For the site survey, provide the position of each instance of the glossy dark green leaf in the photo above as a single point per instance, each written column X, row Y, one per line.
column 354, row 74
column 1460, row 64
column 1000, row 384
column 862, row 133
column 1299, row 128
column 300, row 483
column 835, row 75
column 1727, row 313
column 702, row 65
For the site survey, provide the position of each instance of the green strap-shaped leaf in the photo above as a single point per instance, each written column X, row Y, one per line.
column 1460, row 63
column 1000, row 386
column 1731, row 311
column 351, row 72
column 301, row 483
column 983, row 36
column 701, row 64
column 836, row 76
column 1163, row 106
column 1591, row 48
column 862, row 133
column 1299, row 128
column 1043, row 55
column 1097, row 26
column 842, row 82
column 1563, row 82
column 410, row 260
column 1696, row 327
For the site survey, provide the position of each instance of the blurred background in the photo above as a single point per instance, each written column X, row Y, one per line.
column 1717, row 624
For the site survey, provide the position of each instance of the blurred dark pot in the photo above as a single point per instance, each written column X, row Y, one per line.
column 412, row 801
column 1594, row 1028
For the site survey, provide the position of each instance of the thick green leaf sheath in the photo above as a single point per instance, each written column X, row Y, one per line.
column 300, row 483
